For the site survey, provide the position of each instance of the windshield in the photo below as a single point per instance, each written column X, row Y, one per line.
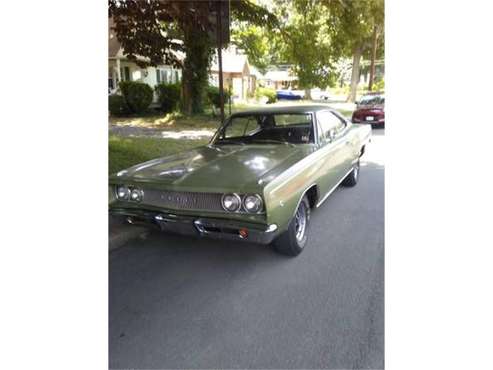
column 372, row 100
column 294, row 128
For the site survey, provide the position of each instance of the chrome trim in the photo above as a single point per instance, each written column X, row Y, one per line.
column 301, row 198
column 334, row 188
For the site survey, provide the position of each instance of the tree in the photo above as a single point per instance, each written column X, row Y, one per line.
column 257, row 42
column 302, row 36
column 303, row 26
column 158, row 30
column 353, row 23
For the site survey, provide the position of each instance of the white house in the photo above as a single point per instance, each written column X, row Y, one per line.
column 279, row 77
column 122, row 69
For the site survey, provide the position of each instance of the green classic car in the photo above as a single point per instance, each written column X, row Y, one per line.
column 257, row 180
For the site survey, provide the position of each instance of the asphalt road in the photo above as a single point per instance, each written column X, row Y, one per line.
column 177, row 302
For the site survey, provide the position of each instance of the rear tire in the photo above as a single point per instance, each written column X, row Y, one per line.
column 293, row 240
column 352, row 178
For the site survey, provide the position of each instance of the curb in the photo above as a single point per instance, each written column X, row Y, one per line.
column 120, row 232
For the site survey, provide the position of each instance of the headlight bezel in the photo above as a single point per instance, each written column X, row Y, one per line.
column 241, row 200
column 127, row 192
column 260, row 203
column 140, row 195
column 236, row 196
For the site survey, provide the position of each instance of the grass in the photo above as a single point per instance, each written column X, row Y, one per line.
column 128, row 151
column 171, row 121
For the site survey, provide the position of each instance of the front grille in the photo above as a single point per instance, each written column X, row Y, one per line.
column 183, row 200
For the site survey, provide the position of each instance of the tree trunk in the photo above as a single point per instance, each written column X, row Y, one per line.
column 308, row 94
column 373, row 57
column 354, row 74
column 195, row 69
column 186, row 96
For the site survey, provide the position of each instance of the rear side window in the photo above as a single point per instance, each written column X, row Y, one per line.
column 293, row 119
column 328, row 121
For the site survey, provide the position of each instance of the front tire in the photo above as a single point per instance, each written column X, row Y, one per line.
column 293, row 240
column 352, row 178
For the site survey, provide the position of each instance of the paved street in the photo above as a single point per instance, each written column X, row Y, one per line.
column 177, row 302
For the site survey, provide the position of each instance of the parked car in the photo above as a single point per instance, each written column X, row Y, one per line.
column 289, row 95
column 258, row 180
column 370, row 109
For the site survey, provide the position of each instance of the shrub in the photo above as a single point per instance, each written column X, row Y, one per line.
column 168, row 96
column 270, row 94
column 214, row 98
column 137, row 95
column 117, row 105
column 379, row 85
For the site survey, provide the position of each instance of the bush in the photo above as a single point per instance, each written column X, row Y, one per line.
column 137, row 95
column 168, row 96
column 214, row 98
column 270, row 94
column 117, row 105
column 379, row 85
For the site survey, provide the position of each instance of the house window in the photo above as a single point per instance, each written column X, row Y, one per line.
column 162, row 76
column 125, row 73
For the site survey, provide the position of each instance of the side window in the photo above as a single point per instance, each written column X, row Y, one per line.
column 241, row 126
column 293, row 119
column 328, row 121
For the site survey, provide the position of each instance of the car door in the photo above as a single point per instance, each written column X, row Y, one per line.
column 343, row 134
column 331, row 150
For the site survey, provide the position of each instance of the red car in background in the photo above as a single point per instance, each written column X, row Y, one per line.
column 370, row 109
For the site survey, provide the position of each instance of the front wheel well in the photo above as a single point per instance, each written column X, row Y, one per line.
column 312, row 194
column 362, row 151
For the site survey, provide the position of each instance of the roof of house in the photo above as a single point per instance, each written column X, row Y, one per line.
column 232, row 63
column 113, row 43
column 113, row 46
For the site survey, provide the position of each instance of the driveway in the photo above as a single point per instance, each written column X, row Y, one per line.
column 177, row 302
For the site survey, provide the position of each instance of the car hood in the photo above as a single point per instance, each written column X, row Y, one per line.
column 223, row 168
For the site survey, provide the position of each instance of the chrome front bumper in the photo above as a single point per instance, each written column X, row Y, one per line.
column 202, row 226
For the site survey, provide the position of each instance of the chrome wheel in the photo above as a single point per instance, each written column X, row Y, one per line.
column 300, row 222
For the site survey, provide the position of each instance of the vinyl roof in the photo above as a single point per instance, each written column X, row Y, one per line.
column 285, row 109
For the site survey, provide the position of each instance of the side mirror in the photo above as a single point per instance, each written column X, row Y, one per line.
column 332, row 134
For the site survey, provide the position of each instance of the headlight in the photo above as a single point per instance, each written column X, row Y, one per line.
column 231, row 202
column 252, row 203
column 136, row 195
column 122, row 192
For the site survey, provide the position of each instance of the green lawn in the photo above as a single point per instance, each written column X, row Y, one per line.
column 128, row 151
